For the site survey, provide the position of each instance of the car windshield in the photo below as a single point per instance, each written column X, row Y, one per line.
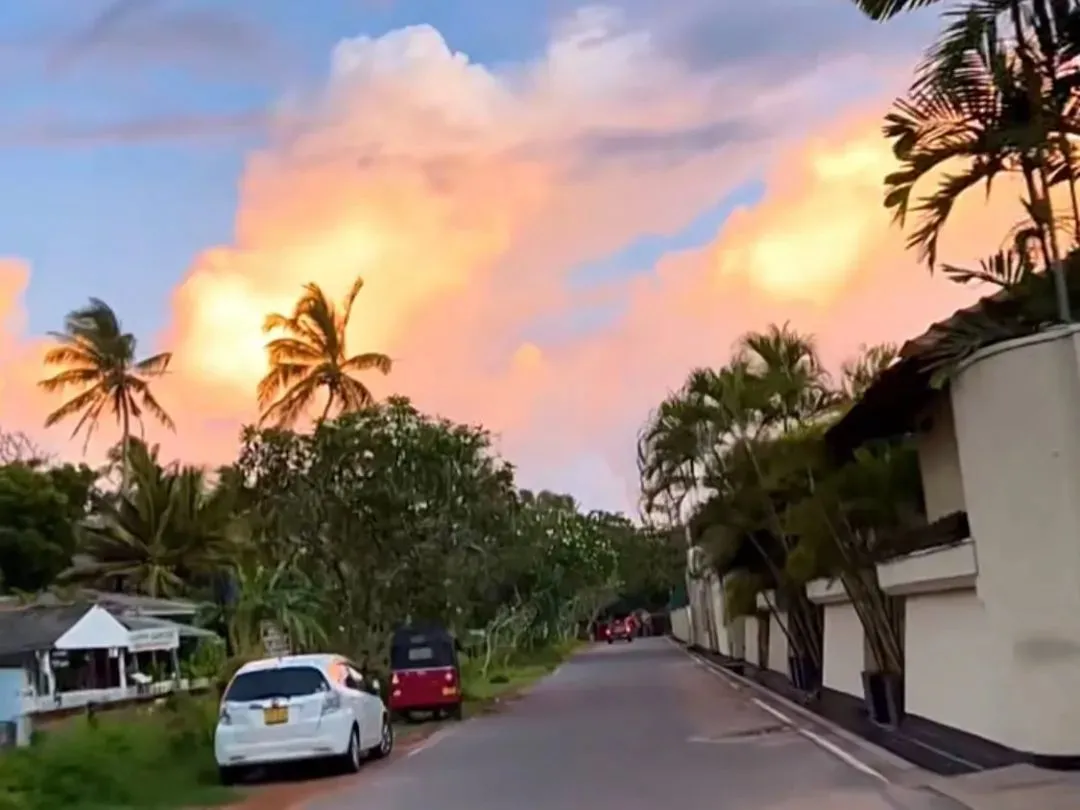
column 280, row 682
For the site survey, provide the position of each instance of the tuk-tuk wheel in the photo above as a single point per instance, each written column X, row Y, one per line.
column 455, row 712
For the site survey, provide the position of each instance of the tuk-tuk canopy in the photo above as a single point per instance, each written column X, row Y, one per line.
column 422, row 647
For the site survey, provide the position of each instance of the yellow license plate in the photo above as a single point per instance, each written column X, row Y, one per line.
column 276, row 715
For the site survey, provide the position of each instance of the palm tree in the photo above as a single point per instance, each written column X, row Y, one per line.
column 996, row 107
column 277, row 594
column 161, row 535
column 311, row 356
column 859, row 373
column 99, row 358
column 791, row 374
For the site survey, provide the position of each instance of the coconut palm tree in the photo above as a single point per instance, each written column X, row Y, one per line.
column 162, row 534
column 99, row 358
column 311, row 356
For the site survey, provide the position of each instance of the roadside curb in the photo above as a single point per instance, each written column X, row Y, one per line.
column 896, row 770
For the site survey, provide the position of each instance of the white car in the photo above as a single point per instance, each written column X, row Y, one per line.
column 300, row 707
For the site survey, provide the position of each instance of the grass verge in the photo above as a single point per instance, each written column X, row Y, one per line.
column 160, row 758
column 522, row 670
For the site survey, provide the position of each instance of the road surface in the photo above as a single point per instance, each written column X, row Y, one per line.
column 636, row 726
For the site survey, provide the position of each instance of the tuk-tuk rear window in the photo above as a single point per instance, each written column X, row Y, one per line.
column 421, row 656
column 280, row 682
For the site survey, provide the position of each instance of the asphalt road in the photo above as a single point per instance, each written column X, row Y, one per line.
column 625, row 727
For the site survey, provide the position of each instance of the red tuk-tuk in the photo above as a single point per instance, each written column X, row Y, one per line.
column 424, row 673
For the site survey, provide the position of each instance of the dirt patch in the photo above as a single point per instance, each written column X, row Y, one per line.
column 286, row 794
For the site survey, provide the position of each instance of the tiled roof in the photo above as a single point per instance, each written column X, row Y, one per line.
column 37, row 627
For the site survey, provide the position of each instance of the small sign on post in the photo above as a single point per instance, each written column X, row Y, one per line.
column 275, row 640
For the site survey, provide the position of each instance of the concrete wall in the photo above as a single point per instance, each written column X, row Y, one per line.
column 777, row 658
column 751, row 652
column 844, row 655
column 939, row 461
column 680, row 624
column 1016, row 408
column 949, row 674
column 778, row 644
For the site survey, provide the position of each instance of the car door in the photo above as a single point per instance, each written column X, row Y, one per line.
column 366, row 712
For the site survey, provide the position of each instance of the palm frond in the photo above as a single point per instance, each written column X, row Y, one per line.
column 71, row 377
column 882, row 10
column 283, row 376
column 154, row 366
column 292, row 405
column 77, row 404
column 142, row 389
column 347, row 305
column 369, row 361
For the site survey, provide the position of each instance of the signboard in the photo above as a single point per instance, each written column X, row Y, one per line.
column 154, row 638
column 275, row 641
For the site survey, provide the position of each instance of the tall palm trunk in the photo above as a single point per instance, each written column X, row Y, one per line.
column 125, row 444
column 1041, row 204
column 326, row 410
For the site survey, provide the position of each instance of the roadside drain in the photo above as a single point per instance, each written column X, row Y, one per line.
column 745, row 736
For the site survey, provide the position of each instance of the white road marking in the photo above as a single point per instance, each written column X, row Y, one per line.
column 821, row 742
column 431, row 741
column 826, row 745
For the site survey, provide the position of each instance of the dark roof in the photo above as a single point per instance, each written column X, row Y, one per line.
column 38, row 627
column 116, row 603
column 890, row 406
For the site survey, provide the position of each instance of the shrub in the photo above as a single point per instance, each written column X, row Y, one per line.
column 159, row 758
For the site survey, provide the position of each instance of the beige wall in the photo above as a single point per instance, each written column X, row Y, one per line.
column 844, row 649
column 750, row 640
column 680, row 625
column 949, row 671
column 1017, row 415
column 716, row 603
column 939, row 461
column 778, row 644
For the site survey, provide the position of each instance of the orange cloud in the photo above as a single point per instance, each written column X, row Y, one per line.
column 465, row 197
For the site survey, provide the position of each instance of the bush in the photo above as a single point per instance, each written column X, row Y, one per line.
column 159, row 758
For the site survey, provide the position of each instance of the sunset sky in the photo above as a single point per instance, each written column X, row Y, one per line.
column 558, row 208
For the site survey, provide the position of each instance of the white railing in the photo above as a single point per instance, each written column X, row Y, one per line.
column 65, row 701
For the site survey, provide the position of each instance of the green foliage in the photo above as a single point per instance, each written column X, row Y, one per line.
column 165, row 531
column 158, row 759
column 39, row 510
column 779, row 510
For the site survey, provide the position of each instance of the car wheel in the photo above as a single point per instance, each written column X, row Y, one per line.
column 230, row 775
column 386, row 741
column 353, row 757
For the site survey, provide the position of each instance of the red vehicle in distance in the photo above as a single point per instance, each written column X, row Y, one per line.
column 619, row 630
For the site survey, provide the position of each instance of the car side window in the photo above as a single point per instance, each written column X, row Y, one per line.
column 353, row 679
